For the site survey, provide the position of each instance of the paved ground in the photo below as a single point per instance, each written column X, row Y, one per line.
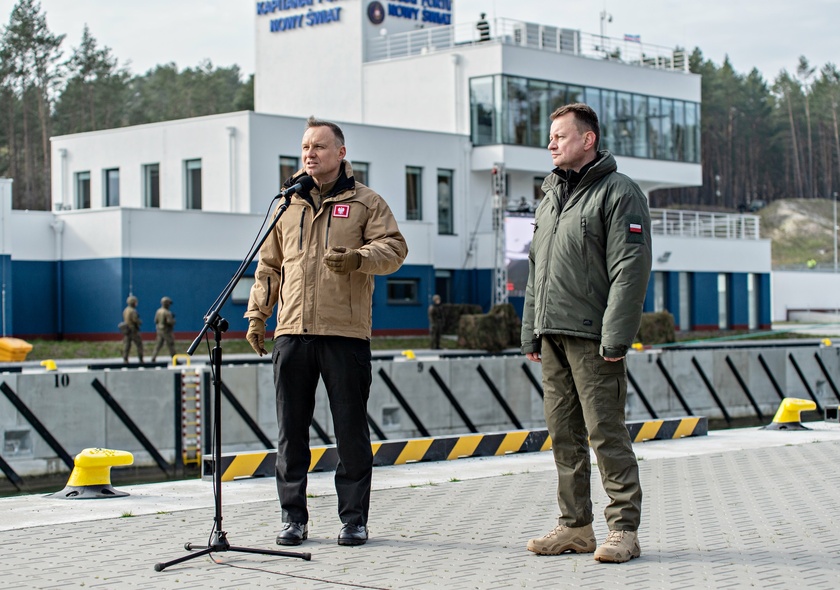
column 736, row 509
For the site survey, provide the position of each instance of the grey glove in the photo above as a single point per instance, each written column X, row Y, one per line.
column 256, row 335
column 342, row 260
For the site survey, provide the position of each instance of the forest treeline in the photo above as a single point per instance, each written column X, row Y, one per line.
column 46, row 91
column 760, row 140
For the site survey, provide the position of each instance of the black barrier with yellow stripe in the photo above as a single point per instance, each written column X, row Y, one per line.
column 446, row 448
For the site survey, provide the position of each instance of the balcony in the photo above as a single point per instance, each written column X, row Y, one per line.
column 697, row 224
column 521, row 34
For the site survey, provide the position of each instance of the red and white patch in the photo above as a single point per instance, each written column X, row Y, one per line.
column 635, row 228
column 341, row 210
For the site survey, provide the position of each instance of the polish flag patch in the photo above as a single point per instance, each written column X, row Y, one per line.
column 344, row 211
column 635, row 228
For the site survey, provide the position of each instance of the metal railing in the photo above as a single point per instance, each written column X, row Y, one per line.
column 532, row 35
column 698, row 224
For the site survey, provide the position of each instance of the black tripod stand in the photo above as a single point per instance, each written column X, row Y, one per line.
column 214, row 321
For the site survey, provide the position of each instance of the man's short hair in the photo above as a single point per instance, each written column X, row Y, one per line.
column 585, row 118
column 339, row 135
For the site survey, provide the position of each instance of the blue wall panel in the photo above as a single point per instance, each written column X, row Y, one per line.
column 765, row 319
column 704, row 301
column 739, row 310
column 33, row 299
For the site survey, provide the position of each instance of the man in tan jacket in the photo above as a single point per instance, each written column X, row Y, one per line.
column 317, row 266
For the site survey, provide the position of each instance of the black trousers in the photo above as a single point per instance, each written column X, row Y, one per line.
column 345, row 366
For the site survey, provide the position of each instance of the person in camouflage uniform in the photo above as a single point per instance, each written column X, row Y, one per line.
column 130, row 328
column 164, row 325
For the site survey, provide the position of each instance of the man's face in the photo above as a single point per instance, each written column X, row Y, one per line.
column 321, row 156
column 570, row 149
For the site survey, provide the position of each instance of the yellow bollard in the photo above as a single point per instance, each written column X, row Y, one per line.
column 787, row 416
column 91, row 476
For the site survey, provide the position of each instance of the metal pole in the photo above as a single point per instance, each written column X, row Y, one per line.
column 835, row 231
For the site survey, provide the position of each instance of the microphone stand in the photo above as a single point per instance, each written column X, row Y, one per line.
column 213, row 321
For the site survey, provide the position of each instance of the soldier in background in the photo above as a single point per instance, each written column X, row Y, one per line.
column 164, row 325
column 435, row 322
column 130, row 328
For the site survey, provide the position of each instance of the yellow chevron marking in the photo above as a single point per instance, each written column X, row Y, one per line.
column 686, row 427
column 465, row 446
column 316, row 453
column 375, row 446
column 547, row 444
column 512, row 442
column 414, row 450
column 648, row 430
column 244, row 464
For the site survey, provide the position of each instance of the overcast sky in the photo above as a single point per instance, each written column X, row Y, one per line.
column 767, row 34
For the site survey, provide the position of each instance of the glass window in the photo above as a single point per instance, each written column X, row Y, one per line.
column 659, row 291
column 606, row 117
column 151, row 185
column 667, row 145
column 556, row 99
column 83, row 190
column 403, row 291
column 538, row 192
column 679, row 130
column 654, row 129
column 413, row 194
column 640, row 144
column 482, row 111
column 592, row 97
column 540, row 107
column 685, row 301
column 111, row 185
column 445, row 189
column 692, row 132
column 515, row 103
column 623, row 128
column 360, row 172
column 723, row 301
column 752, row 299
column 192, row 175
column 575, row 94
column 288, row 167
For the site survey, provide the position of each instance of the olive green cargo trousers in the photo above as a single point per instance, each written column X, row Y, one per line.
column 584, row 398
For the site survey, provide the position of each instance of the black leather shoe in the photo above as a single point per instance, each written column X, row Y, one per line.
column 353, row 534
column 293, row 533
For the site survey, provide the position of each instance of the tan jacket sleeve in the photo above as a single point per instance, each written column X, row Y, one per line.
column 265, row 290
column 385, row 248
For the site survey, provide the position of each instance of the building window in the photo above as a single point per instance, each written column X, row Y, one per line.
column 242, row 291
column 413, row 194
column 111, row 185
column 288, row 167
column 83, row 190
column 723, row 301
column 151, row 185
column 444, row 188
column 516, row 110
column 403, row 291
column 360, row 172
column 685, row 301
column 659, row 291
column 538, row 191
column 192, row 184
column 752, row 301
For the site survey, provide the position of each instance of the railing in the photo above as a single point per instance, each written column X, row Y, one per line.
column 535, row 36
column 697, row 224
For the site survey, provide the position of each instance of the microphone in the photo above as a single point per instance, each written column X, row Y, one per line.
column 304, row 184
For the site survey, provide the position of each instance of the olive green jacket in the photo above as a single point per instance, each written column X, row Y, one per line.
column 589, row 264
column 310, row 298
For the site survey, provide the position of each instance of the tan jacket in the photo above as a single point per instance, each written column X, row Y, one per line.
column 310, row 298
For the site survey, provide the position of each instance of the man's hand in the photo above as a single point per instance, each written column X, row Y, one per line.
column 256, row 335
column 342, row 261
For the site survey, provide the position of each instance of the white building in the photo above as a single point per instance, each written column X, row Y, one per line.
column 429, row 111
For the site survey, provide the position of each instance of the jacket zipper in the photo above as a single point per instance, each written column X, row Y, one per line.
column 300, row 235
column 282, row 282
column 267, row 296
column 327, row 236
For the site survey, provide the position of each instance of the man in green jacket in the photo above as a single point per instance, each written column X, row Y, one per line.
column 589, row 266
column 317, row 266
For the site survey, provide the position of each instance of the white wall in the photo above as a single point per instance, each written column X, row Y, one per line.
column 711, row 255
column 804, row 290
